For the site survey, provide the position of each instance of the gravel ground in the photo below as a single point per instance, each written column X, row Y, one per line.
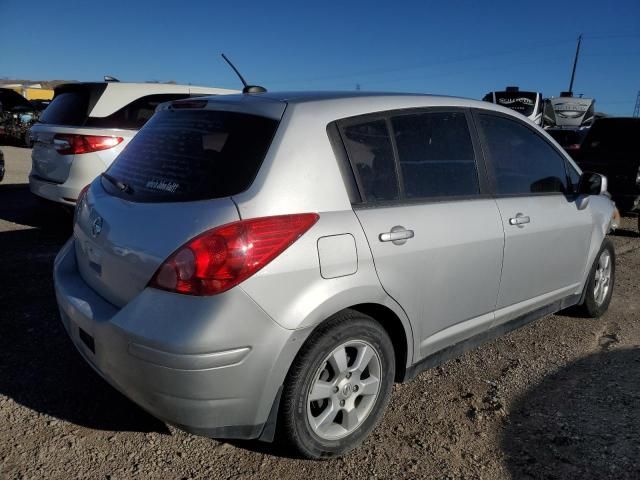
column 559, row 398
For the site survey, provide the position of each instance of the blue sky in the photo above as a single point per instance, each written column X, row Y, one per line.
column 445, row 47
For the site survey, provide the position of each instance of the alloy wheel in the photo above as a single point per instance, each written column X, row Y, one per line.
column 344, row 390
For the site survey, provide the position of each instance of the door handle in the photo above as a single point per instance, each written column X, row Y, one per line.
column 519, row 220
column 398, row 235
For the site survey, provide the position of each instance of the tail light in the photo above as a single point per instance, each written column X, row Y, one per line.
column 189, row 104
column 81, row 196
column 638, row 177
column 223, row 257
column 72, row 144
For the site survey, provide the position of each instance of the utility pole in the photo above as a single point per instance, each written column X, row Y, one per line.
column 636, row 110
column 575, row 64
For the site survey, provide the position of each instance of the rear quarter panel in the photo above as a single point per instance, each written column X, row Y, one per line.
column 292, row 291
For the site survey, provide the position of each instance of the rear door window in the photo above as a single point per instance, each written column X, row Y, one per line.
column 189, row 155
column 436, row 155
column 370, row 150
column 522, row 162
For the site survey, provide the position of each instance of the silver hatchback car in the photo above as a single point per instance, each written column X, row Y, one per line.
column 253, row 265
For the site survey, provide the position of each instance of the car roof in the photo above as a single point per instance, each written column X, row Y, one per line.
column 348, row 103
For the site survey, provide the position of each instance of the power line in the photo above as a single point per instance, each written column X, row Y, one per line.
column 460, row 59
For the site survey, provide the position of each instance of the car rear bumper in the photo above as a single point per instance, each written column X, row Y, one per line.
column 64, row 193
column 83, row 169
column 209, row 365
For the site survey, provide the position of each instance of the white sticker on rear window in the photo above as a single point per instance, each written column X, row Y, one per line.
column 163, row 185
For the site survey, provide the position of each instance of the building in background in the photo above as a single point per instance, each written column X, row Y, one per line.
column 34, row 91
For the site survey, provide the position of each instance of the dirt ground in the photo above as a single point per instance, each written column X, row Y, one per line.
column 558, row 399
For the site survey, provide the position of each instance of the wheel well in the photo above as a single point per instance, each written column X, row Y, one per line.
column 393, row 325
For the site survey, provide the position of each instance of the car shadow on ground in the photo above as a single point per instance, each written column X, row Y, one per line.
column 39, row 367
column 19, row 205
column 622, row 232
column 625, row 232
column 581, row 422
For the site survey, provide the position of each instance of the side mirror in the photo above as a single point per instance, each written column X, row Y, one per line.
column 592, row 184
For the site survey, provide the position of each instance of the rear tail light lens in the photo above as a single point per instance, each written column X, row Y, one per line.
column 223, row 257
column 72, row 144
column 81, row 197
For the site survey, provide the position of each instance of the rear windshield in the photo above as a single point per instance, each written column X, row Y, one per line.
column 71, row 105
column 616, row 135
column 190, row 155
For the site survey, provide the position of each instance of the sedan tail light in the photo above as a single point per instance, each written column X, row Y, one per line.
column 225, row 256
column 73, row 144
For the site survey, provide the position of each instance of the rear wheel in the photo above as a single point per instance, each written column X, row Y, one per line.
column 338, row 386
column 599, row 288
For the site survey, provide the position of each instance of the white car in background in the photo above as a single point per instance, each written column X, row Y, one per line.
column 87, row 125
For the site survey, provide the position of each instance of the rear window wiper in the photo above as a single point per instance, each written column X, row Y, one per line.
column 123, row 187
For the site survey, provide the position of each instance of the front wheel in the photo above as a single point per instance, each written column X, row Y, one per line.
column 599, row 288
column 338, row 386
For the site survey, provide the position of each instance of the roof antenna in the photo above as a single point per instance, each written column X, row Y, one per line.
column 247, row 88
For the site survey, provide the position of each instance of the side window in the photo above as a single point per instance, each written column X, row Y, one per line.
column 435, row 153
column 522, row 161
column 135, row 114
column 574, row 177
column 369, row 148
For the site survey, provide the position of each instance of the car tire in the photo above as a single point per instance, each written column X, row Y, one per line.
column 338, row 386
column 599, row 287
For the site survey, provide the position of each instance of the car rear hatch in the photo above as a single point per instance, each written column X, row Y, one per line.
column 173, row 181
column 66, row 114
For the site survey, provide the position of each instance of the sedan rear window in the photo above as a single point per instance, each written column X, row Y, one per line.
column 189, row 155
